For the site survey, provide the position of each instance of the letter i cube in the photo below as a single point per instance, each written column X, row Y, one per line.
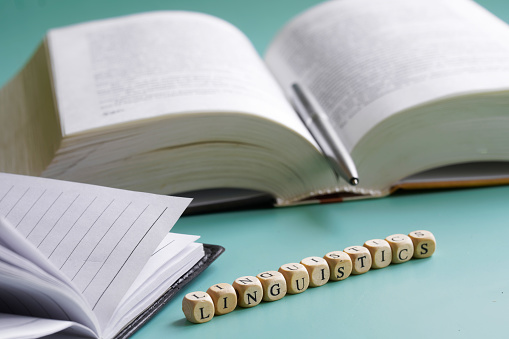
column 381, row 253
column 198, row 307
column 424, row 243
column 224, row 297
column 318, row 270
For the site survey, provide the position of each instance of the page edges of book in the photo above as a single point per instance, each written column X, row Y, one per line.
column 30, row 125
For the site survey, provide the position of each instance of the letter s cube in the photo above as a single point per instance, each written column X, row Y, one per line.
column 424, row 243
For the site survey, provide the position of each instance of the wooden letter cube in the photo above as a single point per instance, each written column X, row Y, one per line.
column 198, row 307
column 318, row 270
column 424, row 243
column 340, row 265
column 361, row 259
column 224, row 297
column 273, row 284
column 249, row 291
column 381, row 253
column 402, row 248
column 296, row 276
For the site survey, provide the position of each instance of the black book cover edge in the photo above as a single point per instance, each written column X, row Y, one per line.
column 211, row 254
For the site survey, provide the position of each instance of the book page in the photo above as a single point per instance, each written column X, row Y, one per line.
column 176, row 255
column 23, row 293
column 168, row 249
column 99, row 238
column 26, row 289
column 144, row 66
column 16, row 326
column 365, row 60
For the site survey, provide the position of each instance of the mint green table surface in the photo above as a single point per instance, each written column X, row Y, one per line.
column 460, row 292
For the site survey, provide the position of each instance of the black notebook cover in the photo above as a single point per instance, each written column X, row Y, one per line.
column 211, row 253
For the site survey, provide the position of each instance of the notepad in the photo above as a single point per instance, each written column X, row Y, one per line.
column 85, row 259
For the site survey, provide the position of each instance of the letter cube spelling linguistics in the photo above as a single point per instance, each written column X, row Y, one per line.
column 361, row 259
column 249, row 291
column 381, row 253
column 224, row 297
column 340, row 265
column 402, row 248
column 198, row 307
column 424, row 243
column 273, row 284
column 296, row 276
column 293, row 278
column 318, row 270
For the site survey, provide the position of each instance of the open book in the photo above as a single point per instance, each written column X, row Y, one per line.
column 167, row 102
column 87, row 261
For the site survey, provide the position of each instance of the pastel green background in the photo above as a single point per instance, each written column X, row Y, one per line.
column 461, row 292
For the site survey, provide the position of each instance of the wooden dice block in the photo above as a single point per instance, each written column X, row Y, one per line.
column 318, row 270
column 424, row 243
column 273, row 285
column 224, row 297
column 361, row 259
column 340, row 265
column 381, row 253
column 296, row 276
column 198, row 307
column 402, row 248
column 249, row 291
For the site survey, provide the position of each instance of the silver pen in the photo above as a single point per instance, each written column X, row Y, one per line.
column 321, row 129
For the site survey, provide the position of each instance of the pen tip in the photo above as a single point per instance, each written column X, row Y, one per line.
column 354, row 181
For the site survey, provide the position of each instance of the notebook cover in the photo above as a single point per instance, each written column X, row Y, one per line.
column 211, row 254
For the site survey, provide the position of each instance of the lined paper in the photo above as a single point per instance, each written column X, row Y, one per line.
column 100, row 238
column 34, row 286
column 174, row 256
